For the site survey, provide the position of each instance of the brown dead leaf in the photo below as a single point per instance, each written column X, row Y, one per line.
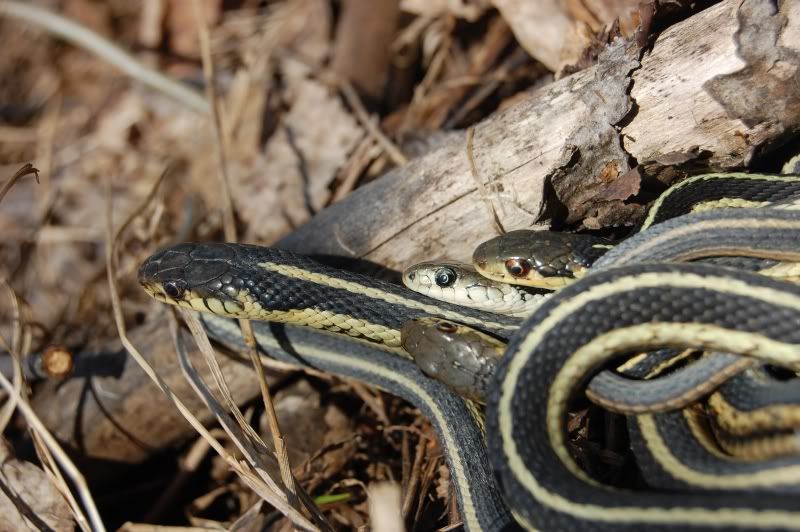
column 556, row 32
column 28, row 500
column 301, row 160
column 469, row 10
column 621, row 187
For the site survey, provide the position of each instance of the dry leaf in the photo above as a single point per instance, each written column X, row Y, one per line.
column 470, row 10
column 556, row 32
column 301, row 160
column 37, row 503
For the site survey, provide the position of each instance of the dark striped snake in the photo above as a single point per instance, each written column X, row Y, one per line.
column 624, row 303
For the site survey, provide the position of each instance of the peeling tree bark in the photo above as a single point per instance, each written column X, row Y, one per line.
column 717, row 90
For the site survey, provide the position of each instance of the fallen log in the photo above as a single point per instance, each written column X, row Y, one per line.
column 715, row 92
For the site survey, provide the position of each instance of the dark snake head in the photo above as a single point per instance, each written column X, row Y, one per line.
column 543, row 259
column 205, row 277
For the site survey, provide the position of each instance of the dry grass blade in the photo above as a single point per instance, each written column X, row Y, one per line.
column 211, row 95
column 201, row 339
column 21, row 335
column 354, row 101
column 260, row 478
column 15, row 352
column 27, row 169
column 108, row 51
column 254, row 440
column 111, row 261
column 230, row 235
column 93, row 522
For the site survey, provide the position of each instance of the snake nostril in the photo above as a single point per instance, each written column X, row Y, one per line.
column 447, row 327
column 411, row 276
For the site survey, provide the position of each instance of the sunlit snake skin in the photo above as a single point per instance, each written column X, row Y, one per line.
column 583, row 327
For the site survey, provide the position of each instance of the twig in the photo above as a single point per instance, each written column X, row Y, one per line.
column 106, row 50
column 46, row 133
column 408, row 496
column 427, row 478
column 368, row 123
column 272, row 417
column 187, row 467
column 213, row 104
column 230, row 236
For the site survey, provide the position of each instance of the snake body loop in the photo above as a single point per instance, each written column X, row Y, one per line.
column 587, row 325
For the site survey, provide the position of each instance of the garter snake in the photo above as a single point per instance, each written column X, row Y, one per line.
column 750, row 235
column 587, row 325
column 551, row 260
column 566, row 340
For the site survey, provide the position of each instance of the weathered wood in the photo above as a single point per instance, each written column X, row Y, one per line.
column 434, row 207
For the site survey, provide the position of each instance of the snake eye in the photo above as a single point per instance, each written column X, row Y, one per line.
column 518, row 267
column 444, row 277
column 174, row 289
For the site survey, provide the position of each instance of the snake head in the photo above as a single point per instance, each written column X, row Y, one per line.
column 202, row 277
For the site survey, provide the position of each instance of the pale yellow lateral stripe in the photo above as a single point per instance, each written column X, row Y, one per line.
column 631, row 362
column 640, row 337
column 701, row 434
column 788, row 205
column 645, row 336
column 741, row 422
column 728, row 203
column 246, row 307
column 704, row 226
column 298, row 273
column 661, row 452
column 665, row 365
column 450, row 440
column 655, row 207
column 763, row 448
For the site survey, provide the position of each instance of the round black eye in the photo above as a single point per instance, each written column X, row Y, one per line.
column 174, row 289
column 444, row 277
column 518, row 267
